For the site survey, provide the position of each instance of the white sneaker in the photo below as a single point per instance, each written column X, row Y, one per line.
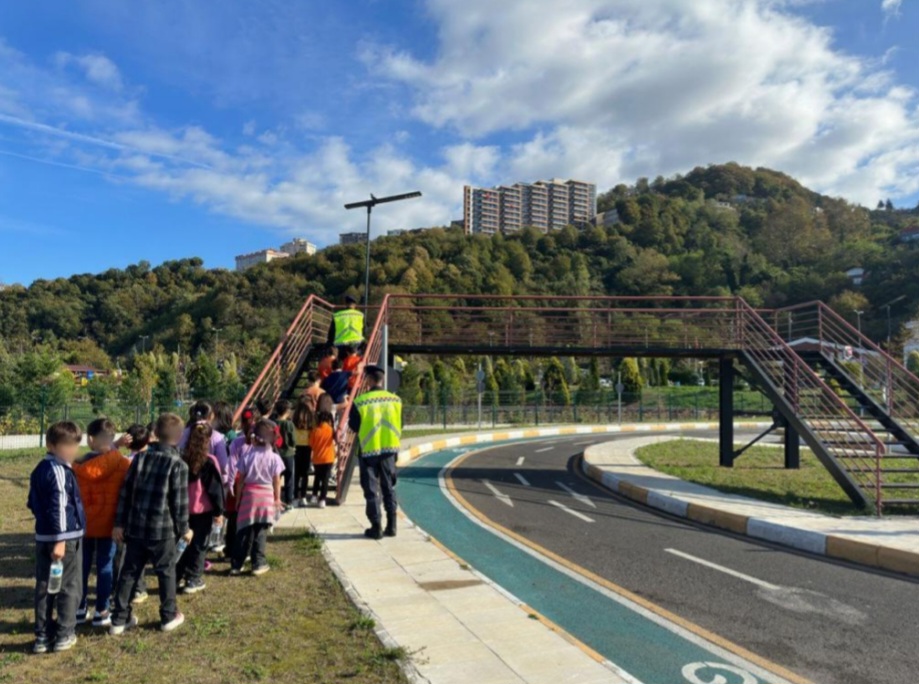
column 322, row 504
column 118, row 630
column 174, row 623
column 103, row 619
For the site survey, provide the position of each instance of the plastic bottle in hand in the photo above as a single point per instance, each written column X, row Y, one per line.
column 56, row 577
column 180, row 547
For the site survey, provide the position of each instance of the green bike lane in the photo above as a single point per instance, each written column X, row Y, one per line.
column 646, row 645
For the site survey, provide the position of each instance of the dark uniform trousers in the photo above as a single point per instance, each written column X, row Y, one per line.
column 378, row 480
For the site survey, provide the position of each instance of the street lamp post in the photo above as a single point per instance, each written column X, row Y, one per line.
column 889, row 326
column 143, row 343
column 370, row 204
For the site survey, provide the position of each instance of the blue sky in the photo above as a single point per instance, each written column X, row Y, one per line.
column 160, row 129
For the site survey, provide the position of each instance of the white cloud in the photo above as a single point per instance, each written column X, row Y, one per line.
column 612, row 90
column 891, row 8
column 97, row 68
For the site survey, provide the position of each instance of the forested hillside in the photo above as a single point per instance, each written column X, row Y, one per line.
column 719, row 230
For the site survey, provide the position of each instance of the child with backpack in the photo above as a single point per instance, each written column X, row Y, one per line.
column 205, row 505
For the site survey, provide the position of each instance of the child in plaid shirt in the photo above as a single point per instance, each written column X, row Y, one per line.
column 152, row 516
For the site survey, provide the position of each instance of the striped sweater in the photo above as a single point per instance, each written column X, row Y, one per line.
column 54, row 499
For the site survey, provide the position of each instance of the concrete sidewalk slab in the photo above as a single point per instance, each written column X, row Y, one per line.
column 456, row 626
column 887, row 543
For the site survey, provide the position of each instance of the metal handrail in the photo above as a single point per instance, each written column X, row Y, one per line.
column 880, row 376
column 299, row 336
column 816, row 403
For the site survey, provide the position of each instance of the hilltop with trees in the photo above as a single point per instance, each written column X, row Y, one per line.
column 180, row 329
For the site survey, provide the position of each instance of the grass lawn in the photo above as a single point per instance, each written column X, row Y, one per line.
column 758, row 474
column 294, row 624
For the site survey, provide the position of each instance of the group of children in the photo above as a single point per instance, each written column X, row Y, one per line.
column 186, row 488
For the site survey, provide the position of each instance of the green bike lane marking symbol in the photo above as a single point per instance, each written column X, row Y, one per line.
column 645, row 645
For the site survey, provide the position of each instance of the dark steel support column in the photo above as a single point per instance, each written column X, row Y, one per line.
column 726, row 412
column 792, row 447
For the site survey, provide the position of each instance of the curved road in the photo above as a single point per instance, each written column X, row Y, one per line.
column 822, row 620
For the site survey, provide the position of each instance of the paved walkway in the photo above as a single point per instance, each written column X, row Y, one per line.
column 890, row 543
column 456, row 626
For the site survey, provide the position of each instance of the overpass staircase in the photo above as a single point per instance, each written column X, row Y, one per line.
column 851, row 403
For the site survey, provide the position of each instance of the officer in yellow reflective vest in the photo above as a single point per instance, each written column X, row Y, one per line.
column 347, row 326
column 376, row 419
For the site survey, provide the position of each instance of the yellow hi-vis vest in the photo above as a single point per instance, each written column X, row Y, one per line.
column 349, row 326
column 381, row 422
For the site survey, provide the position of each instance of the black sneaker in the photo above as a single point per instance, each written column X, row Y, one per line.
column 82, row 615
column 41, row 645
column 373, row 532
column 65, row 643
column 390, row 530
column 193, row 587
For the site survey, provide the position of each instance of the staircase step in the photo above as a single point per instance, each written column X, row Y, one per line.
column 900, row 485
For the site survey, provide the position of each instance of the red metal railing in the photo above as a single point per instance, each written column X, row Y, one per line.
column 309, row 327
column 876, row 372
column 845, row 435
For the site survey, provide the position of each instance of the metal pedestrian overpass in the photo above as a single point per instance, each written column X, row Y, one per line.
column 854, row 405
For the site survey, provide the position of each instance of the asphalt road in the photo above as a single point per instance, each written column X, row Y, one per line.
column 831, row 622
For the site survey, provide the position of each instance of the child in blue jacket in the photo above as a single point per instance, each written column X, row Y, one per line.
column 54, row 499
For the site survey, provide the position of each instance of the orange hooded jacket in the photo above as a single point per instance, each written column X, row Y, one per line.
column 100, row 479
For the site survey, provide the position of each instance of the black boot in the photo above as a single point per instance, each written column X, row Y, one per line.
column 390, row 530
column 374, row 532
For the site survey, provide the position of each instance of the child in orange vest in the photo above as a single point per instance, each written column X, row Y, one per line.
column 322, row 445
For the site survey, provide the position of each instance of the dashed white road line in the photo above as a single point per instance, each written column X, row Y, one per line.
column 520, row 460
column 576, row 514
column 583, row 443
column 727, row 571
column 583, row 498
column 499, row 495
column 539, row 451
column 522, row 479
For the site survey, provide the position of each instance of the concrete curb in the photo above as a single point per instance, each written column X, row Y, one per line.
column 819, row 543
column 408, row 667
column 408, row 455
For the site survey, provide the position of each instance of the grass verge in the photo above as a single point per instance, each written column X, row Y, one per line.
column 294, row 624
column 759, row 474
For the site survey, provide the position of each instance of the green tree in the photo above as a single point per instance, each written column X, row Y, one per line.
column 204, row 377
column 554, row 383
column 631, row 376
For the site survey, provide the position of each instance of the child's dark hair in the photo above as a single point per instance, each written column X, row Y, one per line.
column 248, row 420
column 100, row 426
column 140, row 436
column 325, row 417
column 345, row 351
column 168, row 428
column 199, row 411
column 281, row 407
column 264, row 427
column 303, row 415
column 198, row 447
column 63, row 432
column 263, row 406
column 336, row 364
column 223, row 417
column 312, row 377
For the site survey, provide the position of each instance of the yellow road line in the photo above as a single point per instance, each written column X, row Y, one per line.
column 692, row 627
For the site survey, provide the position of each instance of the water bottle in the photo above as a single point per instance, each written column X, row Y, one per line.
column 215, row 536
column 180, row 547
column 56, row 577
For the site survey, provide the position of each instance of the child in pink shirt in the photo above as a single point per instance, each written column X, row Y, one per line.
column 258, row 470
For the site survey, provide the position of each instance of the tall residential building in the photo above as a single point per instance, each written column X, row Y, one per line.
column 298, row 246
column 544, row 205
column 352, row 238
